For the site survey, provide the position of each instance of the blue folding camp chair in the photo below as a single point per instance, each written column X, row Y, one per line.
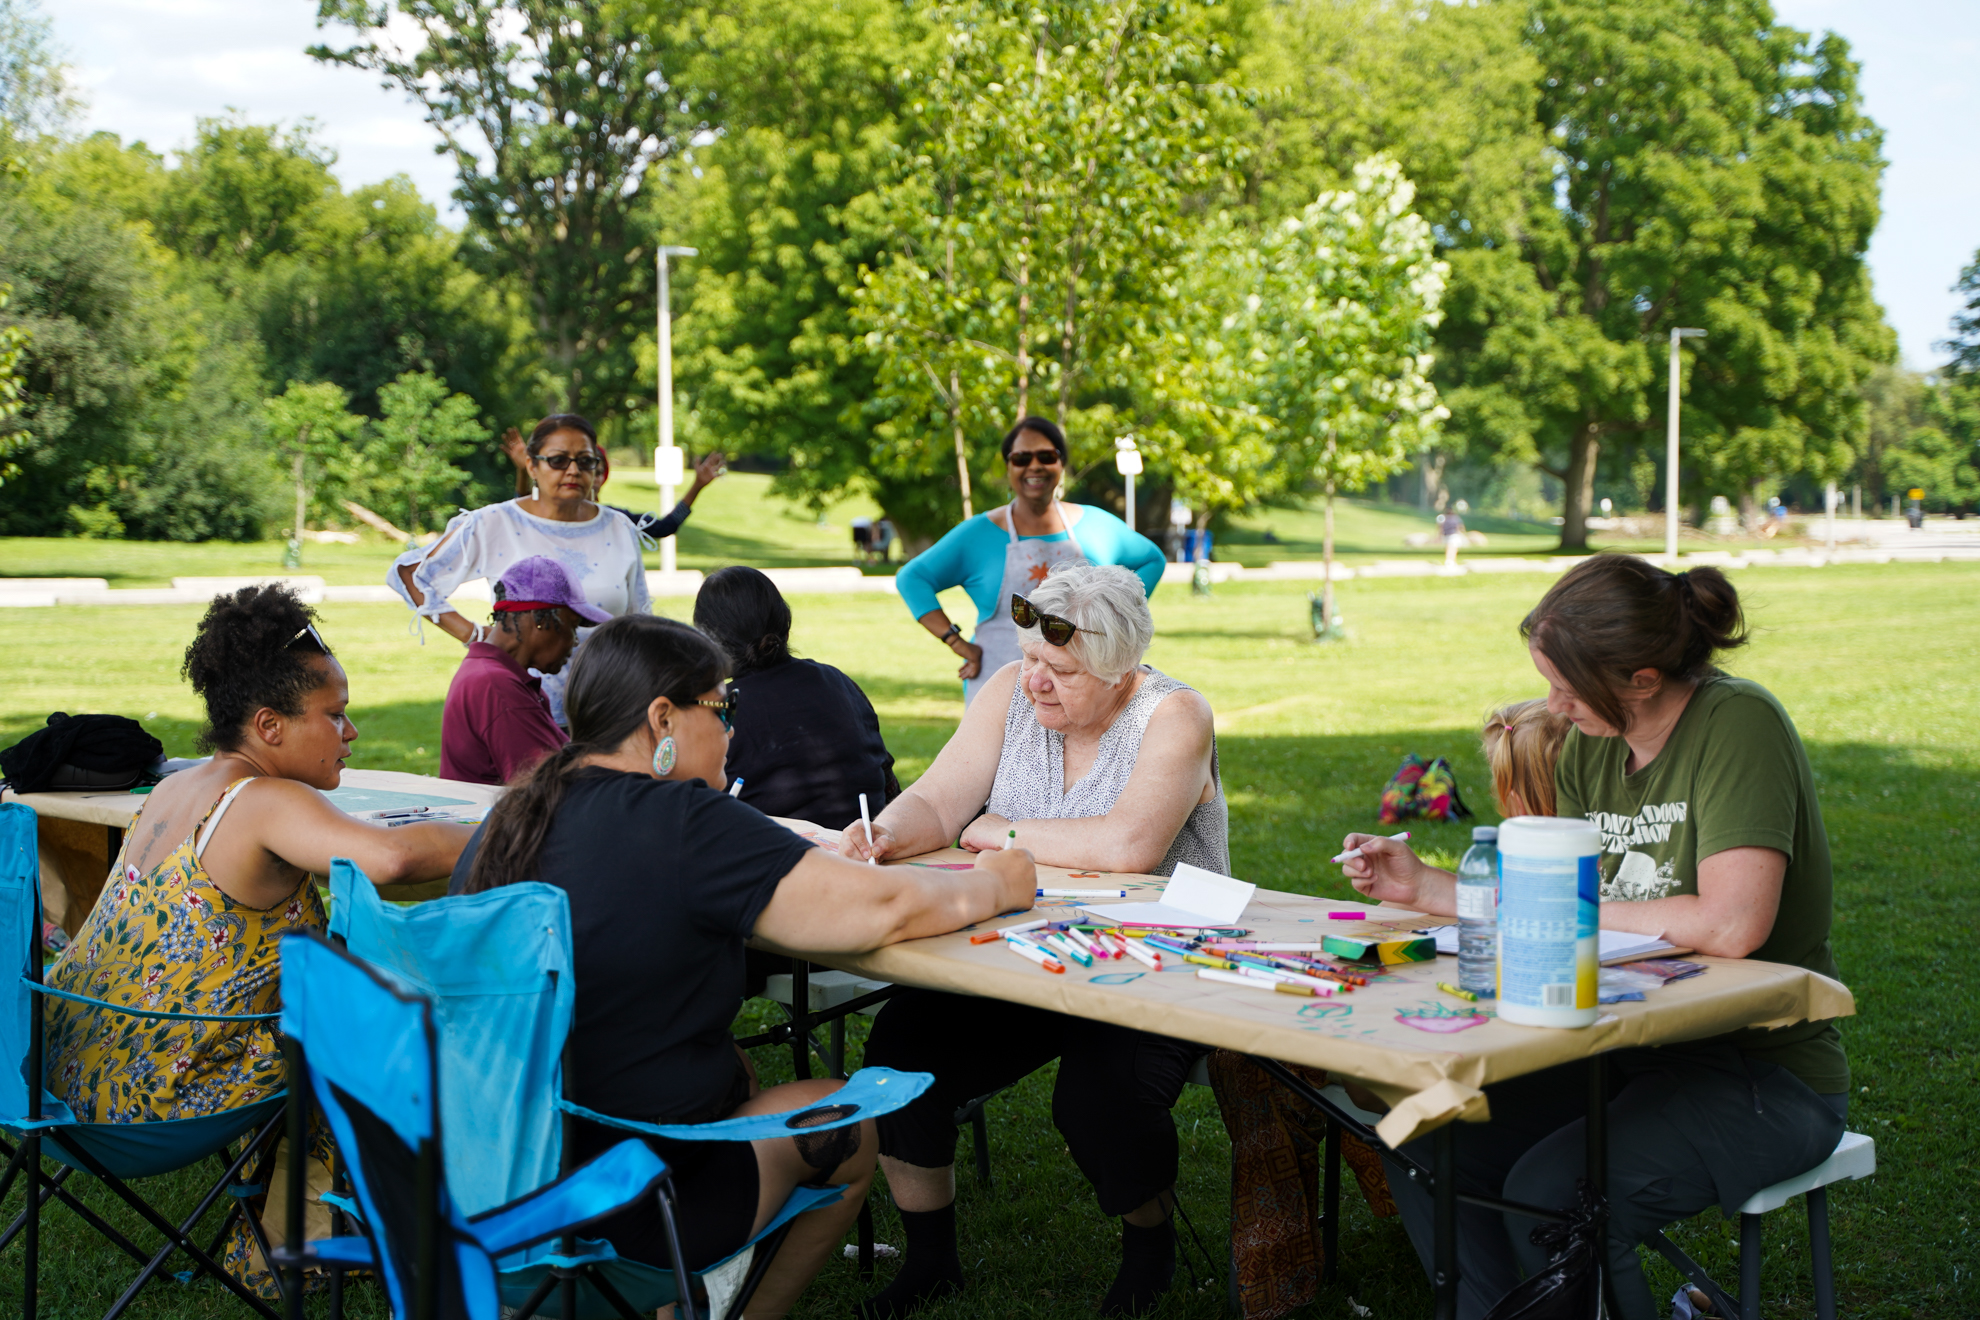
column 368, row 1054
column 497, row 968
column 112, row 1152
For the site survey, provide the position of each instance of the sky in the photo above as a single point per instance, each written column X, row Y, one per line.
column 149, row 68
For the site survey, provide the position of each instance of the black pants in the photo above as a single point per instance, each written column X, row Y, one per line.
column 1111, row 1103
column 1686, row 1131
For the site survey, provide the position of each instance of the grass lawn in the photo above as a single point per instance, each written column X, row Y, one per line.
column 1875, row 664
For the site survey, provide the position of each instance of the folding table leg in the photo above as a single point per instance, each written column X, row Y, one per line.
column 1597, row 1133
column 1330, row 1202
column 1444, row 1278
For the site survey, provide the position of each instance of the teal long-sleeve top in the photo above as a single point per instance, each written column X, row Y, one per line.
column 971, row 556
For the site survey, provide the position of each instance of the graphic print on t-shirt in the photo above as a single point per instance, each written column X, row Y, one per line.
column 1638, row 856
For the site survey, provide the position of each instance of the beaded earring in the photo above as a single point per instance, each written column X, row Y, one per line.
column 663, row 756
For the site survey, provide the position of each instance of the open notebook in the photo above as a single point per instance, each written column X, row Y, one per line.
column 1618, row 946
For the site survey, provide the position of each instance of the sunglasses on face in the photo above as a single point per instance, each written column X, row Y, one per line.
column 1024, row 458
column 1058, row 631
column 725, row 710
column 585, row 462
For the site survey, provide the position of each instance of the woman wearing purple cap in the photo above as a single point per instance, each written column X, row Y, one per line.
column 497, row 722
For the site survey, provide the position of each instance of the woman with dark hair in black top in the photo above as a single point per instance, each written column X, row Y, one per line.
column 667, row 877
column 807, row 741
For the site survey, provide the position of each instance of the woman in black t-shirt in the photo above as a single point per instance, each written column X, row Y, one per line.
column 667, row 877
column 807, row 742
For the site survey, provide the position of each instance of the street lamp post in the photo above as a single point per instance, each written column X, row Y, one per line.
column 1671, row 449
column 669, row 466
column 1127, row 461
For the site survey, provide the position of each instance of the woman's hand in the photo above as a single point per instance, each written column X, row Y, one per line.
column 972, row 664
column 710, row 467
column 853, row 842
column 1389, row 872
column 987, row 833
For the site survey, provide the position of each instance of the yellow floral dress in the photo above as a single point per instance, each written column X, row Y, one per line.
column 169, row 940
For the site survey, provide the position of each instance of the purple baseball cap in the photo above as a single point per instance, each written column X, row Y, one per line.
column 540, row 583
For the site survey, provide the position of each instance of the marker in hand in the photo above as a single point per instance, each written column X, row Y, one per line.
column 1356, row 852
column 866, row 822
column 735, row 789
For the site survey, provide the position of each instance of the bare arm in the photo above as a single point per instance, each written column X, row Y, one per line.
column 1731, row 915
column 933, row 812
column 297, row 824
column 1171, row 775
column 830, row 905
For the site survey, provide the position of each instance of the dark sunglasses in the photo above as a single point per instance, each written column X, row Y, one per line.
column 585, row 462
column 308, row 630
column 1058, row 631
column 725, row 710
column 1024, row 458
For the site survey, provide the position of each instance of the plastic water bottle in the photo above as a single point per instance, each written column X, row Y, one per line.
column 1478, row 915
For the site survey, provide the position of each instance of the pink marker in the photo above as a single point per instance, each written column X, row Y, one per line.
column 1346, row 916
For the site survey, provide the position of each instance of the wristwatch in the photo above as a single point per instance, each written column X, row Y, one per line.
column 955, row 631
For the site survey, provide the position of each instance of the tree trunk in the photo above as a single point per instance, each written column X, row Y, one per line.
column 302, row 492
column 1578, row 490
column 962, row 450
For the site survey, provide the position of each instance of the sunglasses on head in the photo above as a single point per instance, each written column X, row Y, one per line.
column 308, row 630
column 1058, row 631
column 725, row 710
column 585, row 462
column 1024, row 458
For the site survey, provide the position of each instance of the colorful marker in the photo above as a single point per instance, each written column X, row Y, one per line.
column 1065, row 948
column 1026, row 949
column 1233, row 978
column 866, row 822
column 1356, row 852
column 1450, row 989
column 1152, row 961
column 735, row 789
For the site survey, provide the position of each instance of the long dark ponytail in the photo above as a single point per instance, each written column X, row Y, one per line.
column 615, row 677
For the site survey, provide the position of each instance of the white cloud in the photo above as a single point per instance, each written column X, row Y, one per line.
column 151, row 68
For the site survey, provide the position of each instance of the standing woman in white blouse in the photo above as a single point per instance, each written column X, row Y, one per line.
column 598, row 549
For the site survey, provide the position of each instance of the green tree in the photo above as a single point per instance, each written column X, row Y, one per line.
column 312, row 429
column 553, row 111
column 409, row 460
column 35, row 96
column 1710, row 168
column 140, row 387
column 1347, row 299
column 1039, row 228
column 13, row 343
column 780, row 206
column 353, row 288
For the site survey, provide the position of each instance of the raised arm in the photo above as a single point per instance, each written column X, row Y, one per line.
column 828, row 904
column 930, row 814
column 1171, row 776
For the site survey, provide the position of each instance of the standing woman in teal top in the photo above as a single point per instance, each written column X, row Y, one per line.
column 1009, row 551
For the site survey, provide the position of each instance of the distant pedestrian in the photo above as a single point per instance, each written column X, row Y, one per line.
column 1451, row 526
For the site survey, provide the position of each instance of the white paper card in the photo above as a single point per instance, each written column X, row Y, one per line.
column 1193, row 897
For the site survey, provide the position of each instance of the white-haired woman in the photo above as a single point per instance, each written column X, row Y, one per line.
column 1100, row 763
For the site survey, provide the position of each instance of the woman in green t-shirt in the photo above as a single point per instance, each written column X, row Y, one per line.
column 1712, row 838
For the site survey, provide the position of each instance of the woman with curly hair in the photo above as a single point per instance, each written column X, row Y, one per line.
column 213, row 872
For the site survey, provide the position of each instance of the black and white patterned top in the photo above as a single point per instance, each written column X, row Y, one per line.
column 1030, row 783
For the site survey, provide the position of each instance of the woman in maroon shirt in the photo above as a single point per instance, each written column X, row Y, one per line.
column 497, row 722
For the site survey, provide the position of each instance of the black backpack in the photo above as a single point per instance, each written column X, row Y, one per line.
column 102, row 752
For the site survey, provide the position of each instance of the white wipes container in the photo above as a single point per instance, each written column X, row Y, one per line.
column 1549, row 919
